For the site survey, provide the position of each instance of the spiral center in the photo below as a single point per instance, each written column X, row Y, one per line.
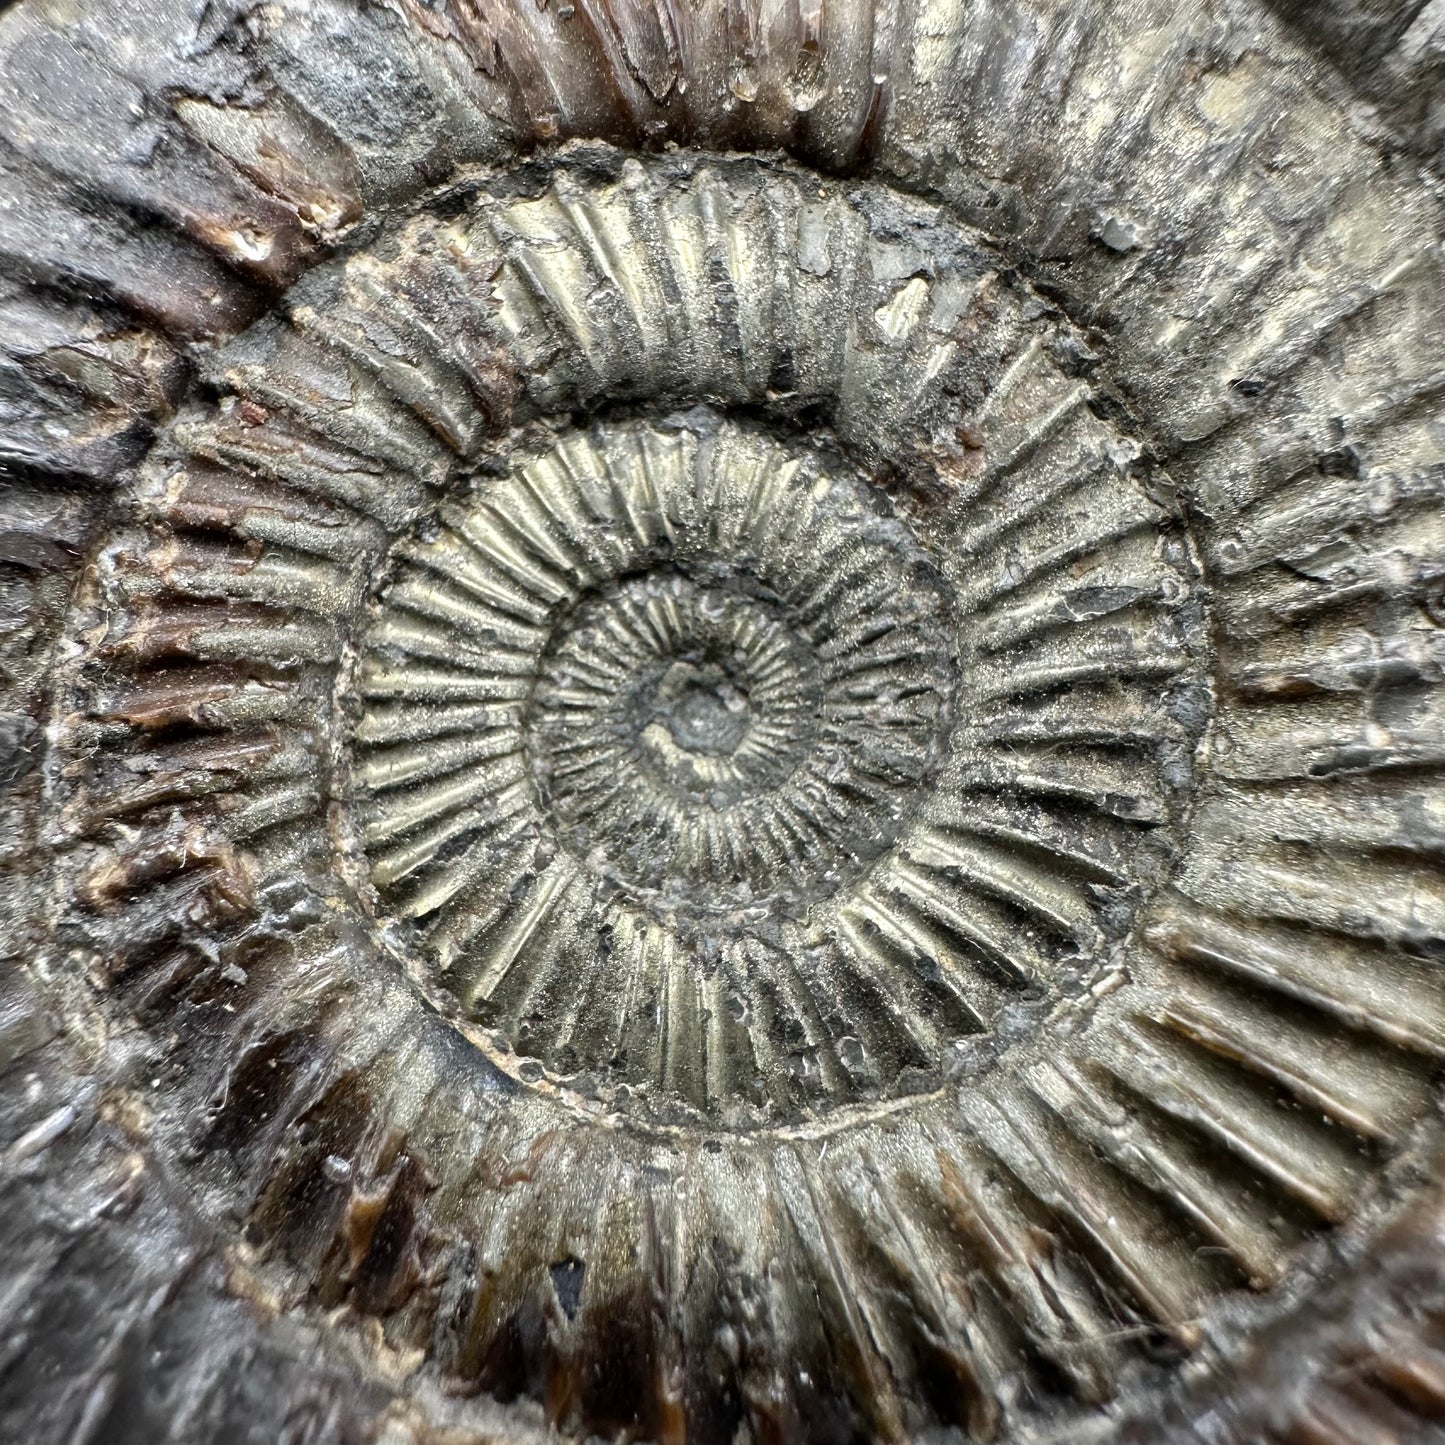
column 670, row 716
column 700, row 710
column 693, row 681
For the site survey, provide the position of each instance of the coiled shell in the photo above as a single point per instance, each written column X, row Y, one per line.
column 720, row 726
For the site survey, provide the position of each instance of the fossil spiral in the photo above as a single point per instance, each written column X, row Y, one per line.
column 721, row 723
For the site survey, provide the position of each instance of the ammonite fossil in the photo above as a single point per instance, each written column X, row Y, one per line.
column 722, row 723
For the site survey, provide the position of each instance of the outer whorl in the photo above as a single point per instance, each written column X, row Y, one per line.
column 721, row 723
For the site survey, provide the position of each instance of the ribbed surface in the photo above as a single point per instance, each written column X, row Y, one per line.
column 1137, row 996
